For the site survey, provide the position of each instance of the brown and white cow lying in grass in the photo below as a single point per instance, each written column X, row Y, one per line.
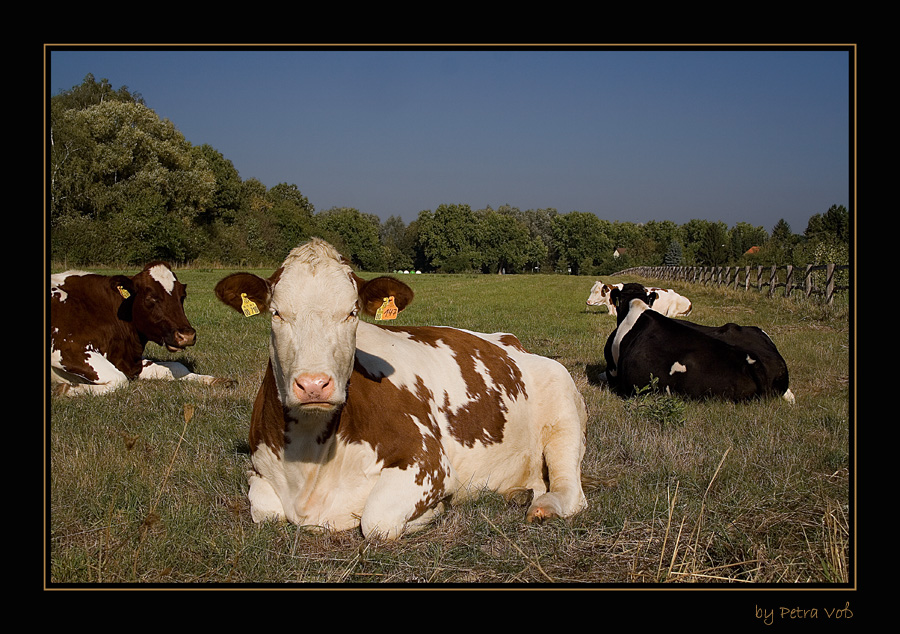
column 364, row 425
column 99, row 326
column 668, row 302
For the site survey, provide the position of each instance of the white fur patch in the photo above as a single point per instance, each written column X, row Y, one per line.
column 635, row 310
column 57, row 280
column 164, row 276
column 677, row 367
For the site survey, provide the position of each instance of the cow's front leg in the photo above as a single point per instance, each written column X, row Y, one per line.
column 264, row 501
column 174, row 371
column 399, row 504
column 74, row 381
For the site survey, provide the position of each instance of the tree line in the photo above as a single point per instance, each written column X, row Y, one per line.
column 126, row 187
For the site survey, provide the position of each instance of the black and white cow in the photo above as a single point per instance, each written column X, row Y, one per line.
column 731, row 361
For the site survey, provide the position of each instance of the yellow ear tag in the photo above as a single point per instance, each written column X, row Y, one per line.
column 388, row 310
column 248, row 306
column 123, row 292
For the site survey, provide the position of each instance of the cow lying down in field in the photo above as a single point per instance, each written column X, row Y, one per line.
column 99, row 326
column 668, row 302
column 732, row 362
column 372, row 426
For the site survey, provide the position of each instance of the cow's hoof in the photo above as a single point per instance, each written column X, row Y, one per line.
column 60, row 389
column 539, row 515
column 519, row 497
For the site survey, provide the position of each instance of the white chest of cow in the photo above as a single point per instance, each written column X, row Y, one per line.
column 363, row 425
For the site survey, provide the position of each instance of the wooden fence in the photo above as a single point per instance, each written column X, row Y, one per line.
column 755, row 277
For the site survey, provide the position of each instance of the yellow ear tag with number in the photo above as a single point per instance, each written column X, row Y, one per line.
column 388, row 310
column 248, row 306
column 123, row 292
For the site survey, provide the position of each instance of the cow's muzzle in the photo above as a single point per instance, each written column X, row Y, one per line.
column 181, row 339
column 314, row 390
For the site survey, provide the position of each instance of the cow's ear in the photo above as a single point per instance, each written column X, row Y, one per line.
column 245, row 292
column 373, row 292
column 123, row 285
column 653, row 296
column 614, row 297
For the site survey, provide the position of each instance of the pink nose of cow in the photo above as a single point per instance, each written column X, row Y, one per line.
column 185, row 337
column 313, row 388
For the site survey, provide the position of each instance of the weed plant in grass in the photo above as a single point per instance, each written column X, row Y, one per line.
column 147, row 485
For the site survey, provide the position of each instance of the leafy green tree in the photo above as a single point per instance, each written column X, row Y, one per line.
column 355, row 235
column 540, row 226
column 91, row 92
column 292, row 214
column 743, row 236
column 674, row 254
column 714, row 248
column 827, row 239
column 833, row 225
column 505, row 243
column 656, row 236
column 228, row 199
column 397, row 246
column 582, row 240
column 781, row 232
column 448, row 237
column 118, row 157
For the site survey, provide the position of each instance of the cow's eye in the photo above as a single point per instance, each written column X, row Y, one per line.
column 353, row 313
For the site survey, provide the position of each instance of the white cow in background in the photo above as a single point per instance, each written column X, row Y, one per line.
column 668, row 302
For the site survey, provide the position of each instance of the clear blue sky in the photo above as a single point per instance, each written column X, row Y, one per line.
column 637, row 135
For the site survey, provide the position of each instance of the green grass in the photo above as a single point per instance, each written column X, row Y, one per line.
column 756, row 493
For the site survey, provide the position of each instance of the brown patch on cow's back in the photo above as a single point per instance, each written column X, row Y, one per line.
column 387, row 416
column 483, row 418
column 513, row 342
column 94, row 316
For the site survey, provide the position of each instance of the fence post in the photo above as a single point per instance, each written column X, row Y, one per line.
column 788, row 280
column 829, row 285
column 773, row 280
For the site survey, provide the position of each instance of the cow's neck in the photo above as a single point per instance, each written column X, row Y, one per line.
column 314, row 430
column 634, row 309
column 275, row 425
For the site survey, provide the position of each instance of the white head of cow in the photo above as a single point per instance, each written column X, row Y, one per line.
column 314, row 299
column 599, row 294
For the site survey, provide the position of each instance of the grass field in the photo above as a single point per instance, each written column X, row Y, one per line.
column 147, row 485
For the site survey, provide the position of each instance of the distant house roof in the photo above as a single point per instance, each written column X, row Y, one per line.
column 751, row 251
column 619, row 251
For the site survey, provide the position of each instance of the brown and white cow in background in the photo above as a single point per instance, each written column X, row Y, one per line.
column 363, row 425
column 668, row 302
column 99, row 326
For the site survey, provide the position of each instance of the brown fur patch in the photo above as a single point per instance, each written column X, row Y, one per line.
column 483, row 418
